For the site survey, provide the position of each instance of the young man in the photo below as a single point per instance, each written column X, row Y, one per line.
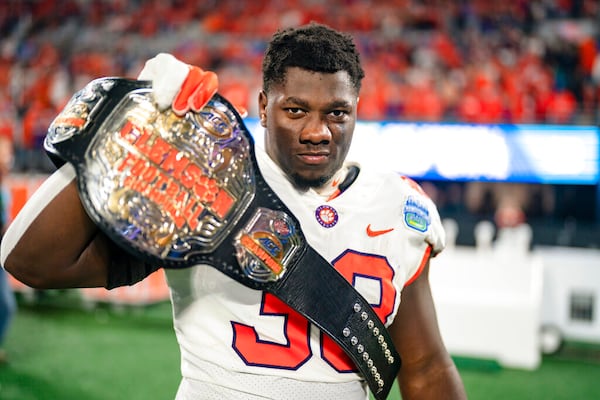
column 378, row 229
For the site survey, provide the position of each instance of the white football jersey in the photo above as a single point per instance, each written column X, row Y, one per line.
column 234, row 340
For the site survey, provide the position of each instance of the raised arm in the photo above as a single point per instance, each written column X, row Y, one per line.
column 52, row 243
column 427, row 371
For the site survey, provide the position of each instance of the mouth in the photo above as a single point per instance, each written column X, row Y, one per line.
column 314, row 158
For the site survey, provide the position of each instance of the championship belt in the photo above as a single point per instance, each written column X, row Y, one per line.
column 180, row 191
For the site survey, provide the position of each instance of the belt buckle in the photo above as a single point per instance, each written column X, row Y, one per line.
column 171, row 187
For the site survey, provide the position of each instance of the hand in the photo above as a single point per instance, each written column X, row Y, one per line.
column 178, row 85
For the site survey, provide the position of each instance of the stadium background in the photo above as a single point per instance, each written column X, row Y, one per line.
column 467, row 61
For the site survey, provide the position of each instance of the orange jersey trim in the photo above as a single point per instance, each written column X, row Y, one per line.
column 421, row 266
column 334, row 195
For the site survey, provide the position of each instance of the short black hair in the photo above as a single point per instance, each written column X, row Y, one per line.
column 314, row 47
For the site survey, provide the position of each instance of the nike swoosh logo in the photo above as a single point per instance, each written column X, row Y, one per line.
column 373, row 233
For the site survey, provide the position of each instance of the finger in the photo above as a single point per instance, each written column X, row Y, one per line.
column 205, row 90
column 241, row 110
column 191, row 83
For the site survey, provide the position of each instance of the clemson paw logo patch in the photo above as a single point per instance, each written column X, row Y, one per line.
column 326, row 216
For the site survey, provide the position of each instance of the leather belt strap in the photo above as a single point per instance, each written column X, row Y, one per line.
column 178, row 192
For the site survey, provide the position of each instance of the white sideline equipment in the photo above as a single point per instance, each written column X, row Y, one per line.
column 489, row 299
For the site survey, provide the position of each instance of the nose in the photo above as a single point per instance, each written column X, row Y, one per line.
column 315, row 131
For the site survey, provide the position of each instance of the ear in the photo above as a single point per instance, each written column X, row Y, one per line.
column 262, row 108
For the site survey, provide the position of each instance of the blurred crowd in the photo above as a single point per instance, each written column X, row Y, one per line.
column 428, row 60
column 475, row 61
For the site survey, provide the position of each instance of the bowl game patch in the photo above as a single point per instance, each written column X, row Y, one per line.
column 416, row 215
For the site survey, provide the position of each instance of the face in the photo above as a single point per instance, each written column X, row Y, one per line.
column 309, row 121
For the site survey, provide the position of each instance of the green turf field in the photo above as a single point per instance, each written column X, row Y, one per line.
column 59, row 351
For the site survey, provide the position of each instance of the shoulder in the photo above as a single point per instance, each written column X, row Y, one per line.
column 421, row 213
column 391, row 182
column 418, row 212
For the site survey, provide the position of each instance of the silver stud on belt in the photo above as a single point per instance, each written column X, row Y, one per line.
column 360, row 349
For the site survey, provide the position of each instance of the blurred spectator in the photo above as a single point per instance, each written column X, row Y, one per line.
column 7, row 298
column 470, row 60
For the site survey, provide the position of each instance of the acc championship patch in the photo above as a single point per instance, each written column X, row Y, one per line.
column 416, row 215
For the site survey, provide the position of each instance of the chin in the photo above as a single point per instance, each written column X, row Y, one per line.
column 304, row 182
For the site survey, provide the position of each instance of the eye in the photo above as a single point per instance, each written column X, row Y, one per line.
column 338, row 115
column 295, row 111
